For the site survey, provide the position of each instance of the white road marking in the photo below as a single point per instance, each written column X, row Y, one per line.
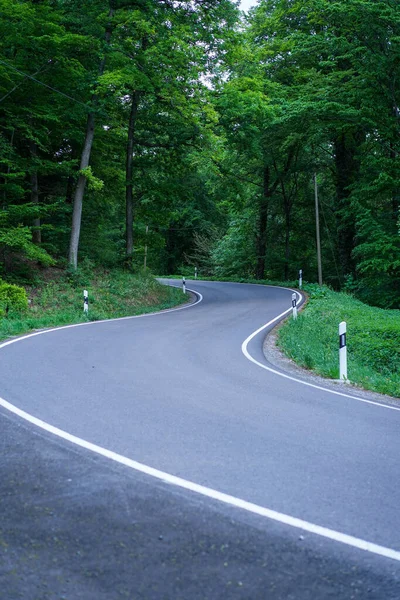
column 160, row 312
column 313, row 385
column 189, row 485
column 330, row 534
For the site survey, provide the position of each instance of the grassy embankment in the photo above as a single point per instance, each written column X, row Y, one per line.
column 373, row 340
column 373, row 337
column 57, row 299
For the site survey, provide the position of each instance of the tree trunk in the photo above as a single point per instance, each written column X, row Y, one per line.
column 85, row 161
column 287, row 208
column 8, row 170
column 394, row 155
column 395, row 192
column 170, row 250
column 261, row 245
column 79, row 192
column 287, row 244
column 129, row 176
column 36, row 232
column 347, row 168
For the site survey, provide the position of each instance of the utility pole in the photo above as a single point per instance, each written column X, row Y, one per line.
column 317, row 231
column 145, row 248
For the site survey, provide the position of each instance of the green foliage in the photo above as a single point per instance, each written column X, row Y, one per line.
column 221, row 173
column 93, row 182
column 19, row 239
column 378, row 262
column 310, row 90
column 111, row 294
column 373, row 340
column 234, row 254
column 13, row 298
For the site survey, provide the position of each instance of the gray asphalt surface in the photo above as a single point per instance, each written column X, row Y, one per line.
column 175, row 392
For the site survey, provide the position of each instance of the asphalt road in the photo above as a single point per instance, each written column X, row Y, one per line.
column 175, row 392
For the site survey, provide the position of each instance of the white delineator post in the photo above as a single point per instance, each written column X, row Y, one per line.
column 294, row 305
column 85, row 301
column 183, row 285
column 195, row 272
column 342, row 351
column 300, row 278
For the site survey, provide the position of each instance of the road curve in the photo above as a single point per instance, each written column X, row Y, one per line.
column 174, row 391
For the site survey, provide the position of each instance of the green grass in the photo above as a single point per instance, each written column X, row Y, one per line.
column 58, row 300
column 373, row 340
column 373, row 337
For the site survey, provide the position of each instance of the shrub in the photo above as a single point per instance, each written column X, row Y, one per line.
column 12, row 297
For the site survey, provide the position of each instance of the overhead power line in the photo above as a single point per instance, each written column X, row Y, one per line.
column 40, row 83
column 19, row 84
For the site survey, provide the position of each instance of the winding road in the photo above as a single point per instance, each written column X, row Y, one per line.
column 183, row 404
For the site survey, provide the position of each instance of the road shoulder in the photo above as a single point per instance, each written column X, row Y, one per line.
column 277, row 359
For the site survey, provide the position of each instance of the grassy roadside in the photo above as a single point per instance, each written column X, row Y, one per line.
column 57, row 299
column 373, row 340
column 373, row 337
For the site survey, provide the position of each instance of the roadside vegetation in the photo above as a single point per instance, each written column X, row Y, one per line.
column 57, row 298
column 373, row 336
column 188, row 135
column 373, row 340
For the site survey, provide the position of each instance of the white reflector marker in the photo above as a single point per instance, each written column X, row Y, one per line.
column 342, row 351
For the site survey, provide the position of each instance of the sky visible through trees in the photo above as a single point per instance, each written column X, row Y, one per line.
column 247, row 4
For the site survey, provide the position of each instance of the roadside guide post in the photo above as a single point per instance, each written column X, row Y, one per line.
column 294, row 305
column 183, row 285
column 342, row 351
column 195, row 272
column 85, row 301
column 300, row 278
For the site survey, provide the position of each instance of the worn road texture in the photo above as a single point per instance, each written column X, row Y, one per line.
column 175, row 392
column 74, row 526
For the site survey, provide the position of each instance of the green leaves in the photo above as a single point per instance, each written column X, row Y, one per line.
column 19, row 239
column 12, row 297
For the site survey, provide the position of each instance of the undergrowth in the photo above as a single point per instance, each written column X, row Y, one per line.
column 373, row 340
column 113, row 293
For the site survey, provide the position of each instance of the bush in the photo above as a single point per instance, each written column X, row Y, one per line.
column 12, row 297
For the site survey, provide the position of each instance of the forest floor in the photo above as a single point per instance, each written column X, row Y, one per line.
column 56, row 298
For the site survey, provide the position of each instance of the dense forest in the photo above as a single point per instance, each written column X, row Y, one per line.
column 203, row 135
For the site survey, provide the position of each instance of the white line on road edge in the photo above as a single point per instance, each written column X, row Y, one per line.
column 331, row 534
column 325, row 532
column 313, row 385
column 160, row 312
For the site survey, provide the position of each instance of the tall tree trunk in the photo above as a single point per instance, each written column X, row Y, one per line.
column 287, row 208
column 170, row 250
column 84, row 163
column 395, row 191
column 287, row 244
column 79, row 192
column 261, row 244
column 394, row 155
column 129, row 176
column 347, row 167
column 36, row 232
column 8, row 170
